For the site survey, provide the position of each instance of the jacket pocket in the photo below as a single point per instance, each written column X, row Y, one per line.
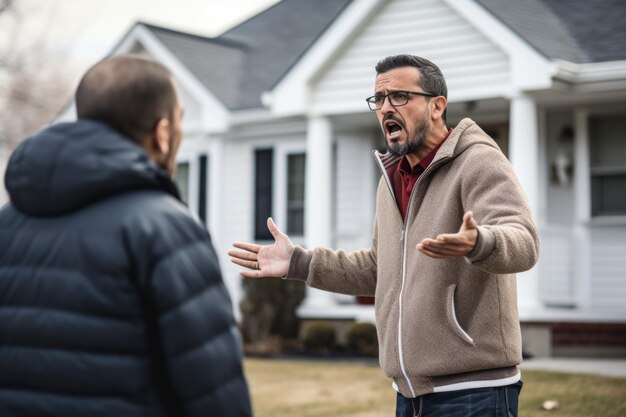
column 452, row 318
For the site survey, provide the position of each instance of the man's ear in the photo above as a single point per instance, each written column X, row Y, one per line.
column 439, row 106
column 161, row 138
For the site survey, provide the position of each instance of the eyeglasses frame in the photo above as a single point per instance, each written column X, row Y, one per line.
column 386, row 97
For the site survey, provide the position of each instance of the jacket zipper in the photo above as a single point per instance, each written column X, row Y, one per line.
column 405, row 228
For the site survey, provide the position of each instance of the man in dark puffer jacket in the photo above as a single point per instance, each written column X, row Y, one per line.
column 111, row 297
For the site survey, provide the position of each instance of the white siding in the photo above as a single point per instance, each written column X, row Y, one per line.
column 608, row 268
column 473, row 66
column 558, row 275
column 354, row 193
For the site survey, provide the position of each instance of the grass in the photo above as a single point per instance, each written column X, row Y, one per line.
column 328, row 389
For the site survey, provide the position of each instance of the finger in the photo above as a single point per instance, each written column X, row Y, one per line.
column 468, row 221
column 245, row 263
column 429, row 253
column 250, row 247
column 445, row 248
column 449, row 238
column 251, row 256
column 254, row 274
column 449, row 241
column 274, row 230
column 445, row 251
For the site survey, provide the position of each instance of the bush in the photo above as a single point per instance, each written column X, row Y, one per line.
column 269, row 312
column 320, row 337
column 362, row 339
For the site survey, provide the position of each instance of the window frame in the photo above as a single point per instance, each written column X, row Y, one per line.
column 599, row 171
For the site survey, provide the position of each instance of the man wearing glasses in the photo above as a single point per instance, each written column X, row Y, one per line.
column 452, row 228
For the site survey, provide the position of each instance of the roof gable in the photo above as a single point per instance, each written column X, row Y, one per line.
column 480, row 57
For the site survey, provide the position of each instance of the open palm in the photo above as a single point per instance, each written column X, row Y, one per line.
column 452, row 245
column 264, row 261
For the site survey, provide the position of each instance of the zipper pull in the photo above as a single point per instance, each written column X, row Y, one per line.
column 402, row 235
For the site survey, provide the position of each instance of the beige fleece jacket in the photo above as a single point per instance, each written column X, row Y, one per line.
column 441, row 322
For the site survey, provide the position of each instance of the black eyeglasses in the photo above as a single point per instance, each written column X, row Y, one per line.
column 396, row 98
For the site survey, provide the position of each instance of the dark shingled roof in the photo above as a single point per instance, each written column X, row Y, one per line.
column 244, row 62
column 579, row 31
column 277, row 38
column 251, row 58
column 215, row 63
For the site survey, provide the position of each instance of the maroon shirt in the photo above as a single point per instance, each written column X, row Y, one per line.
column 403, row 178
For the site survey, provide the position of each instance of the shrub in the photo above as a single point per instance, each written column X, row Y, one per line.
column 362, row 339
column 269, row 312
column 320, row 337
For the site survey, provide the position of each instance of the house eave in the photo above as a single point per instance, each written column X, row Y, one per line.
column 590, row 73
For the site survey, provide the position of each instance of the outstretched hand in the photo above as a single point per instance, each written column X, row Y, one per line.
column 452, row 245
column 264, row 261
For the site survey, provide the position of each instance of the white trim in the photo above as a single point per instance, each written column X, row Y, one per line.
column 456, row 322
column 292, row 94
column 590, row 72
column 214, row 115
column 530, row 70
column 490, row 383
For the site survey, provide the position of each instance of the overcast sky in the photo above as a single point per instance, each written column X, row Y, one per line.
column 80, row 32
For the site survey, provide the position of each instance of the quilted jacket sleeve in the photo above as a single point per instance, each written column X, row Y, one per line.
column 197, row 344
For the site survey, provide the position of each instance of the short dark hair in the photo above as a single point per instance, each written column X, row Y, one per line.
column 431, row 77
column 127, row 92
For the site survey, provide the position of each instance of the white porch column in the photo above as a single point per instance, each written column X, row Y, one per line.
column 318, row 200
column 524, row 156
column 582, row 189
column 216, row 156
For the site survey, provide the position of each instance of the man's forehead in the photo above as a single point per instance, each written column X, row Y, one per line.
column 398, row 76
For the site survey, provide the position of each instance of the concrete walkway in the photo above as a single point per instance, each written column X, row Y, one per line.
column 604, row 367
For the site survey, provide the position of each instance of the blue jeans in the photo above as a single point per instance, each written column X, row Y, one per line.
column 477, row 402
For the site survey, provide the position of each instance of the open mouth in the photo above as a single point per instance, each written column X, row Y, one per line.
column 393, row 129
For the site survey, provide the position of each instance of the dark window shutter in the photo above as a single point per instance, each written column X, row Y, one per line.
column 262, row 193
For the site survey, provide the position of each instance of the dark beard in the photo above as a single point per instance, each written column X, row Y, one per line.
column 413, row 144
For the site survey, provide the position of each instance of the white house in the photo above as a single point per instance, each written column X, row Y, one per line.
column 276, row 124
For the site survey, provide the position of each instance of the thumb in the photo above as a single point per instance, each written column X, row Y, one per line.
column 469, row 222
column 274, row 230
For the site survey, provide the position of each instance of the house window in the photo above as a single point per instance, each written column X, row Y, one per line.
column 263, row 159
column 295, row 194
column 608, row 165
column 182, row 180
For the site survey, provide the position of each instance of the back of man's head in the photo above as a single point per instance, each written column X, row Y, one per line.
column 128, row 93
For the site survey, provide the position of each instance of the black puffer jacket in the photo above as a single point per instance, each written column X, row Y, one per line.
column 111, row 298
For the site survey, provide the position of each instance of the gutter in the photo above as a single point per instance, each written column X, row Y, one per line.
column 596, row 72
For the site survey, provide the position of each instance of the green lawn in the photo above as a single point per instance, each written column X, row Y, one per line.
column 328, row 389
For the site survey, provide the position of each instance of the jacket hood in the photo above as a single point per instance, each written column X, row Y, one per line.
column 465, row 135
column 70, row 165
